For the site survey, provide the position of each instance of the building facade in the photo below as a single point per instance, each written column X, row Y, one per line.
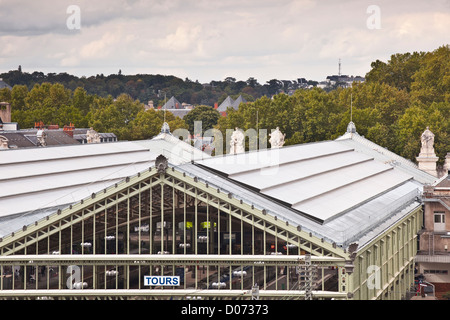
column 318, row 221
column 433, row 257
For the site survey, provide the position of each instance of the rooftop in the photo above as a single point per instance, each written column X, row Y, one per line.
column 362, row 145
column 36, row 179
column 230, row 103
column 319, row 180
column 343, row 190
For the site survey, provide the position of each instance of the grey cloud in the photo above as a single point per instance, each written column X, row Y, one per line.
column 23, row 18
column 204, row 38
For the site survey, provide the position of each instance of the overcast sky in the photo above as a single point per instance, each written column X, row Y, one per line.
column 208, row 40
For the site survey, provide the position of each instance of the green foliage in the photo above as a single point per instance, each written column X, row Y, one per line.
column 398, row 71
column 142, row 87
column 207, row 115
column 432, row 80
column 147, row 124
column 116, row 117
column 18, row 95
column 5, row 94
column 399, row 99
column 392, row 108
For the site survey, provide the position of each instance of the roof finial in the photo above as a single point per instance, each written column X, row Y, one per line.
column 165, row 128
column 351, row 128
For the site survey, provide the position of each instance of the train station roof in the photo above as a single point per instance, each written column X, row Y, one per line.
column 326, row 187
column 34, row 179
column 363, row 145
column 336, row 190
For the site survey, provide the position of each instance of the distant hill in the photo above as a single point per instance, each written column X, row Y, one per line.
column 146, row 87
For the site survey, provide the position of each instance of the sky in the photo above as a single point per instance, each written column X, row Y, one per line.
column 209, row 40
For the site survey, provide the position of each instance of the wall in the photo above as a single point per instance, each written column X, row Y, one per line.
column 384, row 269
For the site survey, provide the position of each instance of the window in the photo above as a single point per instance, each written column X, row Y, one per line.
column 439, row 221
column 439, row 218
column 436, row 271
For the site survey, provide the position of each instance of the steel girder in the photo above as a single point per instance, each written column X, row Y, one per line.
column 150, row 178
column 323, row 253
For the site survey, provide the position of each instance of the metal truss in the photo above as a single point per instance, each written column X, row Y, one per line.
column 61, row 261
column 171, row 259
column 164, row 294
column 142, row 182
column 157, row 194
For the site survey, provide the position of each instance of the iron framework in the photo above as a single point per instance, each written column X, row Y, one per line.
column 163, row 222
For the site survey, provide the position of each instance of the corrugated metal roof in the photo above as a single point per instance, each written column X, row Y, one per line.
column 321, row 180
column 328, row 188
column 268, row 161
column 39, row 178
column 176, row 150
column 365, row 146
column 356, row 224
column 36, row 178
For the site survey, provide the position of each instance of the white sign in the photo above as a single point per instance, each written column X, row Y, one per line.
column 161, row 280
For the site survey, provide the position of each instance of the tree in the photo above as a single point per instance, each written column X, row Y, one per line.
column 161, row 116
column 431, row 83
column 252, row 82
column 59, row 96
column 106, row 119
column 116, row 117
column 398, row 71
column 273, row 86
column 207, row 115
column 230, row 80
column 127, row 107
column 415, row 120
column 5, row 95
column 320, row 114
column 146, row 124
column 19, row 94
column 70, row 114
column 81, row 100
column 47, row 95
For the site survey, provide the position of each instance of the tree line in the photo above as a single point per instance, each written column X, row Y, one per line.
column 148, row 87
column 399, row 99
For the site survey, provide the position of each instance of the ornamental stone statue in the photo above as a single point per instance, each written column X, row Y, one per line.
column 427, row 140
column 427, row 158
column 41, row 136
column 92, row 136
column 237, row 142
column 161, row 164
column 276, row 138
column 3, row 143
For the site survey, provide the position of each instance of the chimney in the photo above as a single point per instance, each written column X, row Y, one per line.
column 216, row 105
column 39, row 125
column 69, row 129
